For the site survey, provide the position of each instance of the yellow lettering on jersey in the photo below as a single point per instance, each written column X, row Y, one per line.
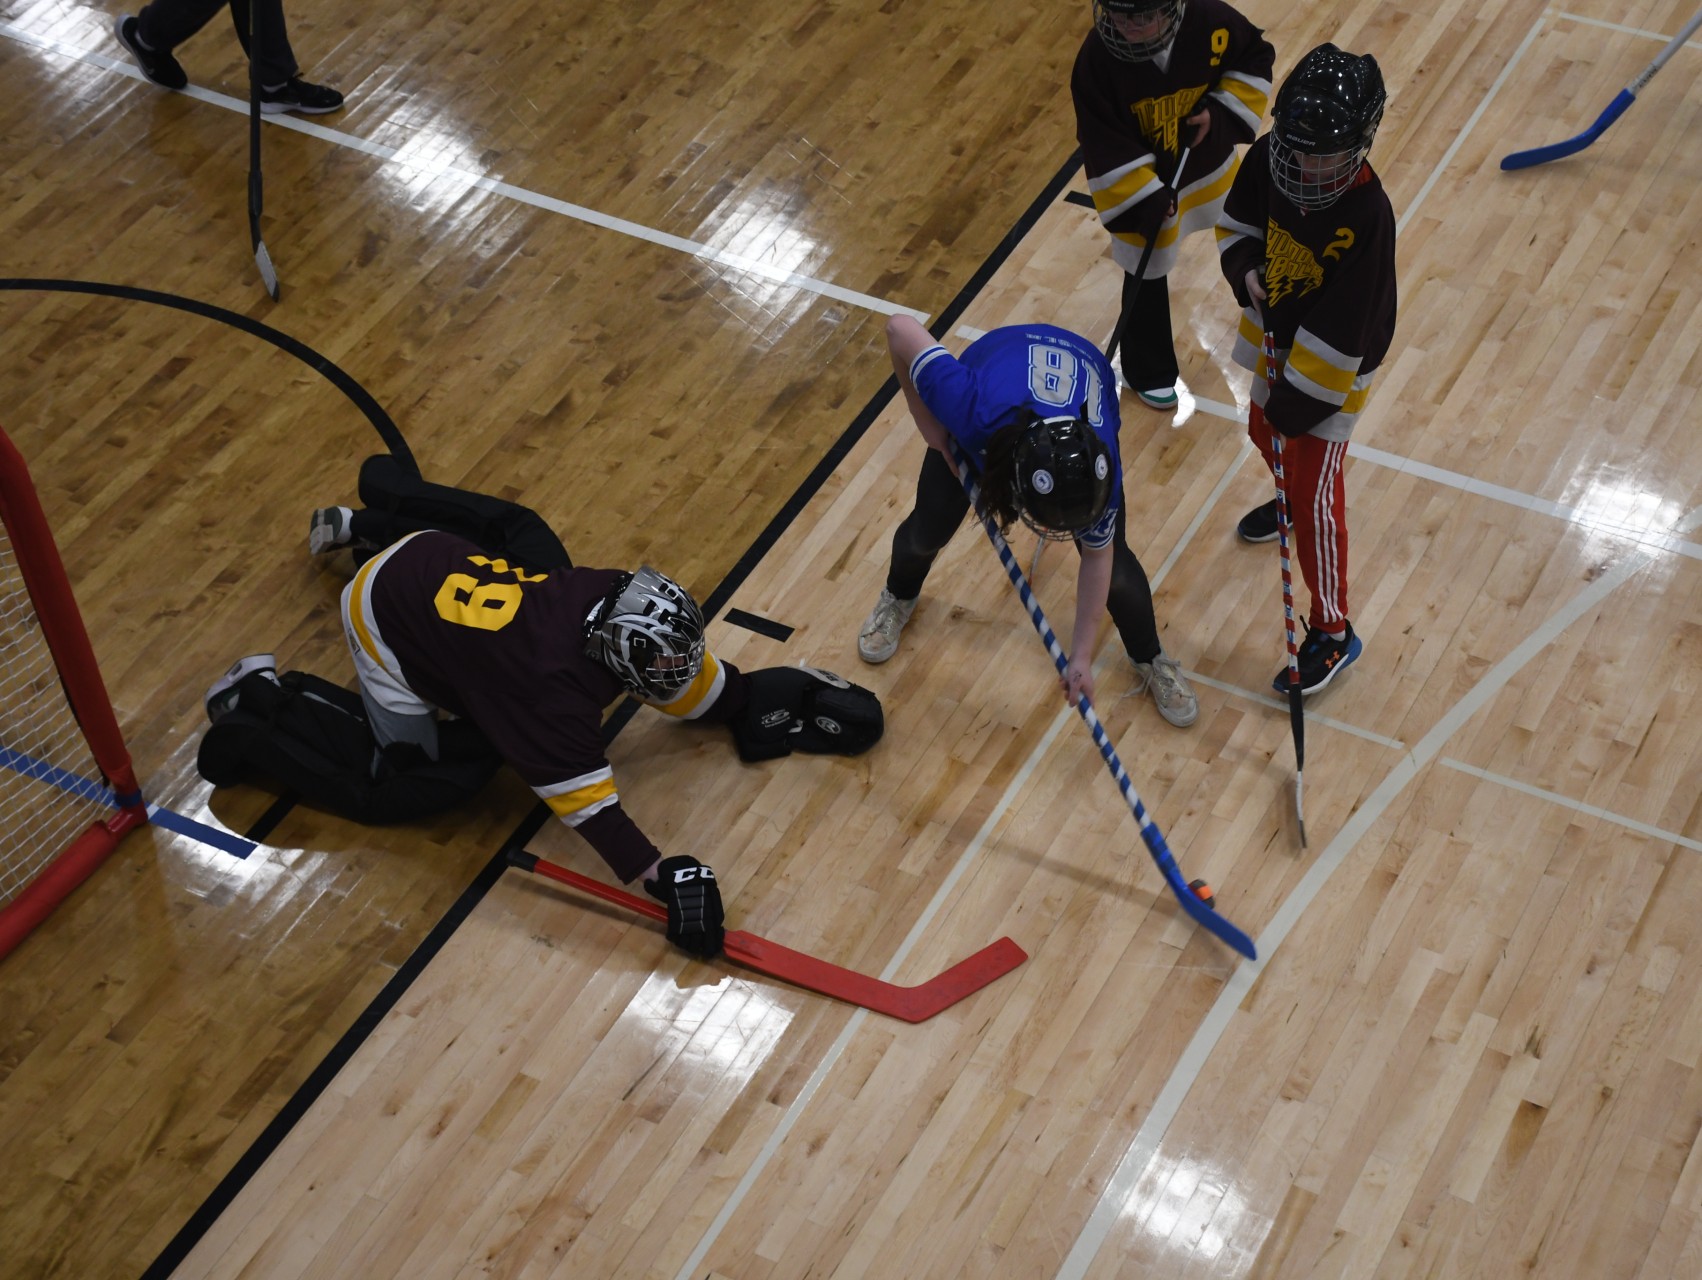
column 467, row 602
column 502, row 566
column 1343, row 240
column 1289, row 266
column 1160, row 118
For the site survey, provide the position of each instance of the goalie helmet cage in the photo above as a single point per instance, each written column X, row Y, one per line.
column 67, row 790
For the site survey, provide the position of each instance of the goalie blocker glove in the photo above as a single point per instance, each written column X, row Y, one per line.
column 806, row 709
column 693, row 899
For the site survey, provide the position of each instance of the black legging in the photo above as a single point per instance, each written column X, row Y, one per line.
column 940, row 507
column 398, row 502
column 1146, row 347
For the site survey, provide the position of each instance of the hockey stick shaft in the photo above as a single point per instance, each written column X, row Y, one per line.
column 1150, row 834
column 1140, row 270
column 1296, row 715
column 256, row 194
column 912, row 1004
column 1623, row 99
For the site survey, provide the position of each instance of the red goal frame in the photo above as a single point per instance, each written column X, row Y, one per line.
column 44, row 578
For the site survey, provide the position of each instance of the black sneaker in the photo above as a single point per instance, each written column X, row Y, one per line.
column 301, row 97
column 1259, row 524
column 1322, row 659
column 222, row 696
column 157, row 64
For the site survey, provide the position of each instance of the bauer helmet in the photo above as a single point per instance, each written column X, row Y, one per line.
column 1063, row 477
column 1137, row 30
column 649, row 632
column 1325, row 116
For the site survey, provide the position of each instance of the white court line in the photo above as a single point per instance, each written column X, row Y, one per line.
column 1578, row 806
column 397, row 155
column 1639, row 32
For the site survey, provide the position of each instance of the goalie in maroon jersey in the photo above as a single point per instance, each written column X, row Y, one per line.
column 1307, row 242
column 1152, row 77
column 524, row 656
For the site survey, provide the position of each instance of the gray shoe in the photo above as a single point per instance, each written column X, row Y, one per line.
column 222, row 695
column 1176, row 701
column 878, row 640
column 329, row 529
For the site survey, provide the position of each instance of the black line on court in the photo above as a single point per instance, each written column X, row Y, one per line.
column 249, row 1163
column 759, row 624
column 362, row 398
column 1079, row 197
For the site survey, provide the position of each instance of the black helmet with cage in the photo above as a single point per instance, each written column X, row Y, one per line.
column 1063, row 477
column 1322, row 124
column 649, row 632
column 1137, row 30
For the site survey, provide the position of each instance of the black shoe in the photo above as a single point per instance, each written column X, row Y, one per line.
column 1259, row 524
column 301, row 97
column 157, row 64
column 1322, row 659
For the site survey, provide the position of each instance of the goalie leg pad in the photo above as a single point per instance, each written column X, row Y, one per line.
column 806, row 709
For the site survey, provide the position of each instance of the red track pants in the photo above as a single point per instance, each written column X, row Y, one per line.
column 1317, row 510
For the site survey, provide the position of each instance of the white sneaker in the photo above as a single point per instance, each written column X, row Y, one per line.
column 329, row 529
column 1158, row 397
column 878, row 640
column 1163, row 677
column 221, row 696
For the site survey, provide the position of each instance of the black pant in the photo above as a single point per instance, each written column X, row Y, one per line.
column 165, row 24
column 940, row 507
column 1146, row 348
column 398, row 502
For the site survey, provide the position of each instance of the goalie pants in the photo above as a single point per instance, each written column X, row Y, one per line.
column 398, row 502
column 1317, row 511
column 940, row 507
column 312, row 738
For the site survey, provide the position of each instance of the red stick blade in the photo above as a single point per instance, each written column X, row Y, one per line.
column 912, row 1004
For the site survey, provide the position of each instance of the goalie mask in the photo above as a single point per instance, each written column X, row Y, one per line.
column 1063, row 477
column 649, row 632
column 1325, row 117
column 1137, row 30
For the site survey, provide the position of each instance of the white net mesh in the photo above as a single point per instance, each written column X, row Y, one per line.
column 50, row 787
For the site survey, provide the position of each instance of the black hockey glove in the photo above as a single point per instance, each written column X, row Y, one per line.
column 693, row 899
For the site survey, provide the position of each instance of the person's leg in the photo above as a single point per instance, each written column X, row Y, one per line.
column 398, row 502
column 165, row 24
column 1146, row 346
column 920, row 537
column 1129, row 603
column 273, row 58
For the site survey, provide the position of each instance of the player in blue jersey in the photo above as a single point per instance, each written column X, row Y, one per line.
column 1035, row 408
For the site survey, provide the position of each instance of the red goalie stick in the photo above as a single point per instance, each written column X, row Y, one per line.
column 912, row 1004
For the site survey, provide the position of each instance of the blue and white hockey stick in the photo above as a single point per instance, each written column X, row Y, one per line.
column 1191, row 902
column 1615, row 109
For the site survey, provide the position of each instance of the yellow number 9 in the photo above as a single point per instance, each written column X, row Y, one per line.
column 489, row 606
column 1219, row 44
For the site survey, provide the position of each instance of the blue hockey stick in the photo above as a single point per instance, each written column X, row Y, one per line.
column 1615, row 109
column 1191, row 902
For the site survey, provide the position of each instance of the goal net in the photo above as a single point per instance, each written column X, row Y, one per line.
column 67, row 790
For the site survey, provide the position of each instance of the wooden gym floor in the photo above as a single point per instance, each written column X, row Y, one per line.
column 631, row 266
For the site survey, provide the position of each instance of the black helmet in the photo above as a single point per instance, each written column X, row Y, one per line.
column 1160, row 18
column 1063, row 477
column 1326, row 111
column 649, row 632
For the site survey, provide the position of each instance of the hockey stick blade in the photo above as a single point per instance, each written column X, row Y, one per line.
column 1571, row 146
column 911, row 1004
column 1615, row 109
